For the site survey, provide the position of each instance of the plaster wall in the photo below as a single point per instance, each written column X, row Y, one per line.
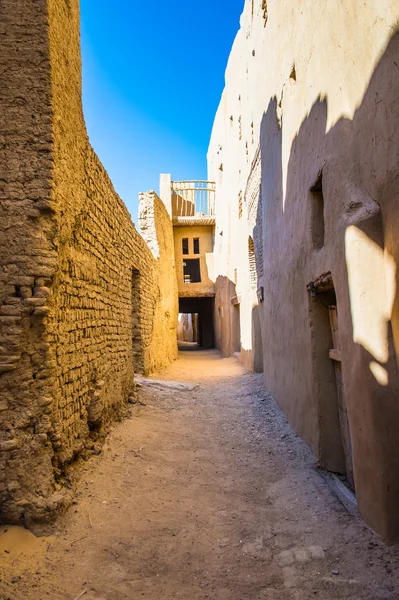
column 69, row 258
column 318, row 96
column 205, row 235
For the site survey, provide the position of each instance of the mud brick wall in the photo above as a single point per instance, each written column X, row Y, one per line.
column 27, row 252
column 159, row 308
column 71, row 264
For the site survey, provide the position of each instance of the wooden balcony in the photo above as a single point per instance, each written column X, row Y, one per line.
column 194, row 199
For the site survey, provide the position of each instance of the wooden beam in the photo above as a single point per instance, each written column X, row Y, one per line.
column 335, row 354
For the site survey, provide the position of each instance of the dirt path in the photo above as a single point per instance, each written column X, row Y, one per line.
column 202, row 494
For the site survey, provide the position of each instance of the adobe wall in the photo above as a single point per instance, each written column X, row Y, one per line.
column 28, row 254
column 161, row 305
column 319, row 96
column 78, row 283
column 206, row 235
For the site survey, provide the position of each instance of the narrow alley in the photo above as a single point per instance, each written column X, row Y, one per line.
column 201, row 493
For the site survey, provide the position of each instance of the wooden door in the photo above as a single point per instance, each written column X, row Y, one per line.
column 335, row 355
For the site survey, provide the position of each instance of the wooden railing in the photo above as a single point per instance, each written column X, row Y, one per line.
column 194, row 198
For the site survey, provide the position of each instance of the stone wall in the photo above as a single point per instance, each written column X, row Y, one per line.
column 78, row 284
column 313, row 87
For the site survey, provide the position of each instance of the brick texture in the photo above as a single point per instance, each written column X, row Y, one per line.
column 84, row 302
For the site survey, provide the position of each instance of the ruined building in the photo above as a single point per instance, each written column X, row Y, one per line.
column 84, row 302
column 305, row 153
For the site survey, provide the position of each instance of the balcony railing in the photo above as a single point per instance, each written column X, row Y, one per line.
column 193, row 198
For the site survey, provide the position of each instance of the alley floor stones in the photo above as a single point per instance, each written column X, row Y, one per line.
column 203, row 493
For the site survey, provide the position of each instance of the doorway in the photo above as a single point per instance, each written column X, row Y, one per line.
column 201, row 310
column 187, row 331
column 137, row 342
column 335, row 438
column 236, row 329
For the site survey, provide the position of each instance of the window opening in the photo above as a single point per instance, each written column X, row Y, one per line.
column 317, row 213
column 196, row 246
column 191, row 270
column 184, row 243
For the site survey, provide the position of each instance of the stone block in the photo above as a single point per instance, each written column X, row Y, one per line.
column 9, row 445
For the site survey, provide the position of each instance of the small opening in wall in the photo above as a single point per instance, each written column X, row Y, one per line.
column 192, row 270
column 184, row 245
column 264, row 10
column 137, row 342
column 293, row 73
column 196, row 244
column 317, row 208
column 18, row 293
column 240, row 205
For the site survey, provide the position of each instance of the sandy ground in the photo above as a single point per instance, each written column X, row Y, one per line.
column 201, row 494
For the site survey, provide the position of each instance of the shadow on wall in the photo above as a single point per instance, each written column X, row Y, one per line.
column 227, row 322
column 333, row 217
column 229, row 326
column 182, row 207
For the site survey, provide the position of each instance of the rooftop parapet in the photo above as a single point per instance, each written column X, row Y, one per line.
column 194, row 198
column 190, row 198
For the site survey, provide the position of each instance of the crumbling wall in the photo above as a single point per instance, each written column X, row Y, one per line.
column 69, row 259
column 161, row 324
column 27, row 254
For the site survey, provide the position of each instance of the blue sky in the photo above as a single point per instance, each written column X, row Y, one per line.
column 153, row 74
